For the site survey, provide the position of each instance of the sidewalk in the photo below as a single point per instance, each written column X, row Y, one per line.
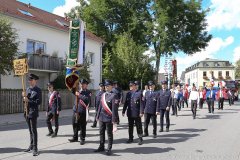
column 16, row 118
column 8, row 119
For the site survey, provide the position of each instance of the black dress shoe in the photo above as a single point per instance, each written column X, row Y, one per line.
column 167, row 129
column 140, row 142
column 35, row 152
column 82, row 142
column 28, row 150
column 94, row 126
column 54, row 135
column 72, row 140
column 154, row 136
column 108, row 152
column 100, row 149
column 49, row 134
column 161, row 130
column 129, row 141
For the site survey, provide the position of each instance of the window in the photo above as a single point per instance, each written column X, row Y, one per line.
column 90, row 58
column 25, row 12
column 219, row 73
column 36, row 47
column 212, row 74
column 216, row 64
column 204, row 74
column 227, row 73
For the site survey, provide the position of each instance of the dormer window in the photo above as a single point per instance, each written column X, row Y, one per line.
column 62, row 23
column 216, row 64
column 25, row 12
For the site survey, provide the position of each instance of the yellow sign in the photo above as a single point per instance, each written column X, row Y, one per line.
column 20, row 66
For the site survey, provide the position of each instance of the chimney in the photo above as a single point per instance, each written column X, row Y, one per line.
column 29, row 5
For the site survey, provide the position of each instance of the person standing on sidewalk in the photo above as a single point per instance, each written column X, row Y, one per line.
column 108, row 117
column 53, row 109
column 194, row 100
column 33, row 99
column 164, row 102
column 133, row 105
column 79, row 122
column 97, row 102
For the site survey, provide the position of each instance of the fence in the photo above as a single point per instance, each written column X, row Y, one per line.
column 11, row 101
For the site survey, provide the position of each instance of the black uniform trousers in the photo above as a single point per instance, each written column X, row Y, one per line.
column 49, row 124
column 79, row 124
column 220, row 103
column 166, row 113
column 102, row 128
column 95, row 117
column 147, row 117
column 32, row 126
column 194, row 107
column 201, row 100
column 175, row 106
column 210, row 103
column 184, row 100
column 230, row 100
column 138, row 124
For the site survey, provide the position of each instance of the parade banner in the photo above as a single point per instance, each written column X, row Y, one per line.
column 20, row 66
column 76, row 52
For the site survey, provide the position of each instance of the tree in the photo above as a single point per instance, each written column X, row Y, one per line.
column 237, row 69
column 8, row 46
column 178, row 25
column 169, row 26
column 127, row 62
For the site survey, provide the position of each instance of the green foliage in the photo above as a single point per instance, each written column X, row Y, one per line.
column 237, row 69
column 169, row 26
column 127, row 62
column 8, row 46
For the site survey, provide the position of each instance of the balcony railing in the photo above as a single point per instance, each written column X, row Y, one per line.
column 45, row 62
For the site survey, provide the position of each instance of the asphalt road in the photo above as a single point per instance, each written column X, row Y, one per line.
column 209, row 137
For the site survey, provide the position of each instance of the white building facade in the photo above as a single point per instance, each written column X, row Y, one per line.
column 209, row 70
column 46, row 43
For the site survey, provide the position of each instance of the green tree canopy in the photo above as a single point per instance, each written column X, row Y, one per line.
column 169, row 26
column 8, row 46
column 127, row 62
column 237, row 69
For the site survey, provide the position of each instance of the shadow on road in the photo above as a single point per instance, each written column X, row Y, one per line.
column 212, row 116
column 135, row 150
column 11, row 150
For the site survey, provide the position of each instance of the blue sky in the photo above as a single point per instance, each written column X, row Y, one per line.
column 223, row 20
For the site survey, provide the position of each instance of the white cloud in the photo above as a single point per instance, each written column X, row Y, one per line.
column 236, row 54
column 69, row 4
column 215, row 45
column 224, row 14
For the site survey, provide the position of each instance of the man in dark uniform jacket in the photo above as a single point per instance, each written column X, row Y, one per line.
column 107, row 116
column 33, row 98
column 163, row 105
column 53, row 109
column 79, row 112
column 133, row 106
column 149, row 109
column 97, row 102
